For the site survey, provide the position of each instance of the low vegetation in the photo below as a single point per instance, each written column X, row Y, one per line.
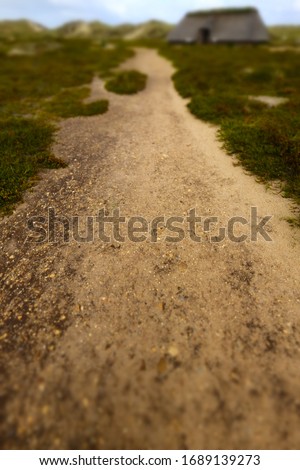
column 24, row 150
column 69, row 103
column 221, row 82
column 285, row 35
column 127, row 82
column 41, row 82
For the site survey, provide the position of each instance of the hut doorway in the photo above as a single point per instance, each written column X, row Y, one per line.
column 204, row 35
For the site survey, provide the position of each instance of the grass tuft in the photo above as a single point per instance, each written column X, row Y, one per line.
column 127, row 82
column 68, row 103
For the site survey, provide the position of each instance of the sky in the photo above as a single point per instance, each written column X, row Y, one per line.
column 55, row 12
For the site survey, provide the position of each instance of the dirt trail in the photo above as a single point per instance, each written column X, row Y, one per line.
column 149, row 345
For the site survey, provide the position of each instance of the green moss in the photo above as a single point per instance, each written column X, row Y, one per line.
column 223, row 11
column 217, row 107
column 72, row 64
column 68, row 103
column 24, row 150
column 285, row 35
column 127, row 83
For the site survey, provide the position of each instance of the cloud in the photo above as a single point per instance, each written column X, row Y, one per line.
column 134, row 9
column 168, row 9
column 297, row 5
column 120, row 8
column 65, row 3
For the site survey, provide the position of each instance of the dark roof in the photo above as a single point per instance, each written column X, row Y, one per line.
column 223, row 11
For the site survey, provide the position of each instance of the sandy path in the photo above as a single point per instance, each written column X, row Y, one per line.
column 149, row 345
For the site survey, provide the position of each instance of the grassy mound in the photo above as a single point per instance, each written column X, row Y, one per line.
column 127, row 83
column 68, row 103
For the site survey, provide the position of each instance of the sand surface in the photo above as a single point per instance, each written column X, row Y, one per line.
column 149, row 345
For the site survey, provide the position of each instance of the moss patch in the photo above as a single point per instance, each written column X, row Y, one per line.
column 127, row 83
